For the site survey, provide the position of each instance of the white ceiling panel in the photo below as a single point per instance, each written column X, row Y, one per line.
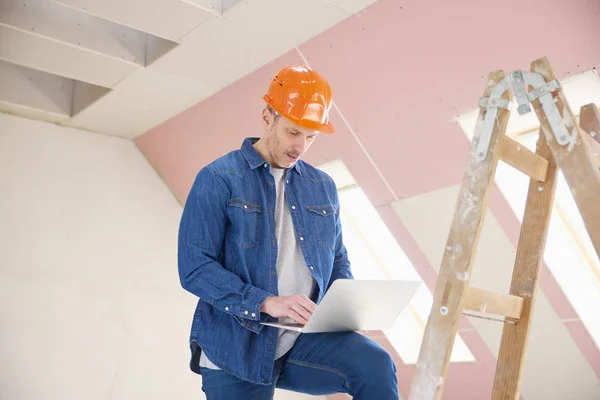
column 140, row 102
column 168, row 19
column 84, row 95
column 65, row 25
column 41, row 53
column 39, row 95
column 222, row 50
column 31, row 113
column 352, row 6
column 157, row 47
column 35, row 90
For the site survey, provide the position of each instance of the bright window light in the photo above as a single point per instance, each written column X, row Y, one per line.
column 569, row 254
column 375, row 254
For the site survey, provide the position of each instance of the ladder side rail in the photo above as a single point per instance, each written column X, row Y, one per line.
column 525, row 278
column 455, row 270
column 574, row 158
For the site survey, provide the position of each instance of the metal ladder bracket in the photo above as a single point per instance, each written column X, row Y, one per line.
column 542, row 90
column 491, row 104
column 518, row 85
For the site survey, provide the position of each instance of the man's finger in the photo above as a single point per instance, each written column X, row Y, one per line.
column 306, row 309
column 297, row 317
column 307, row 304
column 298, row 309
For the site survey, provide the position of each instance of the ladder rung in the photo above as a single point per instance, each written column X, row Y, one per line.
column 484, row 301
column 523, row 159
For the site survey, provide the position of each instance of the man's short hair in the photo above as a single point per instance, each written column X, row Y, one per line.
column 276, row 115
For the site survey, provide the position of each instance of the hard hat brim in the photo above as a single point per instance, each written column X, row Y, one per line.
column 327, row 127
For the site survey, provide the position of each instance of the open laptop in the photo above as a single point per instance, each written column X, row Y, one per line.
column 357, row 305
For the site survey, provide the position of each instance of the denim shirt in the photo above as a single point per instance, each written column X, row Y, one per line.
column 227, row 253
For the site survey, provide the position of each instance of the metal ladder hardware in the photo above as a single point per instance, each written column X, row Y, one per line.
column 563, row 145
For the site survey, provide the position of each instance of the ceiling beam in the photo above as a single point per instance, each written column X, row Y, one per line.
column 167, row 19
column 34, row 94
column 70, row 27
column 60, row 40
column 48, row 55
column 40, row 95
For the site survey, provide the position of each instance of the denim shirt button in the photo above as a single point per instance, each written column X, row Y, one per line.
column 245, row 312
column 301, row 238
column 311, row 267
column 254, row 314
column 293, row 207
column 226, row 308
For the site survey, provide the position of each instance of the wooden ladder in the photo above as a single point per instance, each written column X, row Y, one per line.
column 563, row 144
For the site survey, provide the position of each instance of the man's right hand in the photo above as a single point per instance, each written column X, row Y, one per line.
column 297, row 307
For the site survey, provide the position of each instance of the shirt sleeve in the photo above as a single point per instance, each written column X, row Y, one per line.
column 201, row 233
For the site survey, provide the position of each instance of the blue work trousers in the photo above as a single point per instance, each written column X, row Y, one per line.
column 318, row 364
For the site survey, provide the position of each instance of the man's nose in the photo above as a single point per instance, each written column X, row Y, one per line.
column 300, row 145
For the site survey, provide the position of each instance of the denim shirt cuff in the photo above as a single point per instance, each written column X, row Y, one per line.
column 249, row 315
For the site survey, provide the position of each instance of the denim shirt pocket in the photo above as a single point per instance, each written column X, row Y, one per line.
column 322, row 219
column 245, row 217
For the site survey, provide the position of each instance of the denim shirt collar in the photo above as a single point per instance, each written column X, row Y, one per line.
column 254, row 159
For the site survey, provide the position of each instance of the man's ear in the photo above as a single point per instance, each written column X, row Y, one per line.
column 267, row 117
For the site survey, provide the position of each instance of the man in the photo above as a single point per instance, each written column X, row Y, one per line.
column 261, row 239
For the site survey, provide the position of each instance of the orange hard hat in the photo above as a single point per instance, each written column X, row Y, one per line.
column 303, row 96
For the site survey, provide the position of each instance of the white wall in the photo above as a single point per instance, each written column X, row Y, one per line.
column 90, row 301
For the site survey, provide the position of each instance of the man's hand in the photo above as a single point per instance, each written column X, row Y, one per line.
column 297, row 307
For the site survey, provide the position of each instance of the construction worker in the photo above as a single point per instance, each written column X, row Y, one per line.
column 260, row 239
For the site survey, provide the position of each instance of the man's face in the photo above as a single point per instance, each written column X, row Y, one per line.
column 286, row 141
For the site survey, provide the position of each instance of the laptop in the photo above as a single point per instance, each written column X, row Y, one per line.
column 357, row 305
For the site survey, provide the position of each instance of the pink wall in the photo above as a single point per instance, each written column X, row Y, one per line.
column 401, row 71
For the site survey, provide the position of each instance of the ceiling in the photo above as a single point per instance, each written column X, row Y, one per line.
column 122, row 67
